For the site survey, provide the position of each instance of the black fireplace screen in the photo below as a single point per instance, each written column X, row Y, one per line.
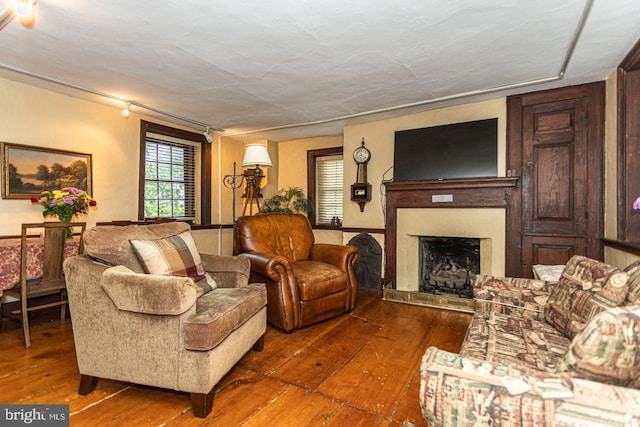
column 448, row 265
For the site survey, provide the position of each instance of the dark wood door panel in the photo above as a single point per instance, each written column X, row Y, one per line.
column 552, row 250
column 553, row 170
column 555, row 145
column 553, row 195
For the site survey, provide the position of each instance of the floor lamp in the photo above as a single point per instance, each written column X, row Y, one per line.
column 254, row 155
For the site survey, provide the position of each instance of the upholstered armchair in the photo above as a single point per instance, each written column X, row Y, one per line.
column 306, row 282
column 182, row 328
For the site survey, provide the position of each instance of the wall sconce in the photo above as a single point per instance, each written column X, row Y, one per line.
column 255, row 155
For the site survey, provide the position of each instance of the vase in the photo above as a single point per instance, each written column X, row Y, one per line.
column 66, row 218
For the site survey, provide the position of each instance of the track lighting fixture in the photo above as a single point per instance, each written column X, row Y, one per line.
column 125, row 113
column 21, row 8
column 208, row 137
column 24, row 8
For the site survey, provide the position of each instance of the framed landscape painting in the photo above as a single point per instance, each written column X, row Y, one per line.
column 28, row 170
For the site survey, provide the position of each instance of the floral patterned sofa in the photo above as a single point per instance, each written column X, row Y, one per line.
column 540, row 353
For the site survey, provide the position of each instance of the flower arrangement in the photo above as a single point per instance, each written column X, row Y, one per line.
column 64, row 203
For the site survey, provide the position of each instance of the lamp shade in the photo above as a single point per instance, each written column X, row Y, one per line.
column 256, row 155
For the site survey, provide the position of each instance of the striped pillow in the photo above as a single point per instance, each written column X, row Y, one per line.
column 174, row 256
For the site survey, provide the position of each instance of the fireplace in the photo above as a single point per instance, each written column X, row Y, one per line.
column 448, row 265
column 465, row 208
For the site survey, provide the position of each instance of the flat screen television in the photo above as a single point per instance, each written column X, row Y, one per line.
column 458, row 150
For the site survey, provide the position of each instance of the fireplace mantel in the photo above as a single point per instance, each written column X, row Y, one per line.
column 450, row 193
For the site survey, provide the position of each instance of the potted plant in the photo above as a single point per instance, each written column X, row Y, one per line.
column 289, row 200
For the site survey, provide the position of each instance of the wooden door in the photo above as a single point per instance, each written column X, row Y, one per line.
column 555, row 144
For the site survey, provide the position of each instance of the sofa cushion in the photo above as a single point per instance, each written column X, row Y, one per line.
column 110, row 243
column 220, row 312
column 633, row 270
column 513, row 340
column 607, row 349
column 485, row 281
column 586, row 288
column 525, row 303
column 174, row 256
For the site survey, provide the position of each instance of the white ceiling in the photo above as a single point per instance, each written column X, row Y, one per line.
column 306, row 68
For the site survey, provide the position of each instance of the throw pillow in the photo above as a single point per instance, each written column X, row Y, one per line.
column 174, row 256
column 607, row 349
column 585, row 288
column 633, row 270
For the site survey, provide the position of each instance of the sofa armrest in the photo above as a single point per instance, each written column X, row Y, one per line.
column 227, row 271
column 339, row 255
column 484, row 281
column 148, row 293
column 457, row 391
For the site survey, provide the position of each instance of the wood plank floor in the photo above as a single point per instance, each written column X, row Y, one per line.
column 360, row 369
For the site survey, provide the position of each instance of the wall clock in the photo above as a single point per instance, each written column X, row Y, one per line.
column 361, row 190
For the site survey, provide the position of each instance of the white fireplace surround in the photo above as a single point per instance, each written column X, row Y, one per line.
column 486, row 224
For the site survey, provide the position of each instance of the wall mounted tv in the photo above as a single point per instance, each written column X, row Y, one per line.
column 458, row 150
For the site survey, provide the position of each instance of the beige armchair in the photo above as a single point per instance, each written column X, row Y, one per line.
column 160, row 330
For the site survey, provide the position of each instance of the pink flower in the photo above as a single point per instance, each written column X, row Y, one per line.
column 636, row 204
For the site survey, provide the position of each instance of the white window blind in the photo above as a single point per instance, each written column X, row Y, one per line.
column 329, row 189
column 170, row 184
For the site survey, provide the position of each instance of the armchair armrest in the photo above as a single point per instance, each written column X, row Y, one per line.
column 339, row 255
column 269, row 265
column 148, row 293
column 228, row 271
column 459, row 391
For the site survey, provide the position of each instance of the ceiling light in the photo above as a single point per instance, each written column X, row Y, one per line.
column 125, row 113
column 24, row 8
column 208, row 137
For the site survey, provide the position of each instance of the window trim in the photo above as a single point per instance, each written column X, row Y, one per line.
column 205, row 165
column 312, row 156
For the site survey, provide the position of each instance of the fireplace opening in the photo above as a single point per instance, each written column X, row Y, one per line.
column 448, row 265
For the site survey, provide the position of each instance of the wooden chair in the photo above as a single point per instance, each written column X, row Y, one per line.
column 52, row 280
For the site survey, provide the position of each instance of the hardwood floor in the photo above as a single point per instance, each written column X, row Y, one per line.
column 360, row 369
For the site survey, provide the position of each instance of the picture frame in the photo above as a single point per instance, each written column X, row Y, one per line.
column 28, row 170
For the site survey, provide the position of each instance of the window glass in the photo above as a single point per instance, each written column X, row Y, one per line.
column 169, row 186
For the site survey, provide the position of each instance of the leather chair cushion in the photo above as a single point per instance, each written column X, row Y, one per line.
column 220, row 312
column 317, row 279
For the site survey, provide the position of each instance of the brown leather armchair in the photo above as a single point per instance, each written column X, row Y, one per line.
column 306, row 282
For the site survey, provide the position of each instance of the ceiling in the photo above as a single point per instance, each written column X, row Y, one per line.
column 287, row 69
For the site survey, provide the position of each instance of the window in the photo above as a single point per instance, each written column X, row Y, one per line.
column 326, row 184
column 175, row 174
column 169, row 179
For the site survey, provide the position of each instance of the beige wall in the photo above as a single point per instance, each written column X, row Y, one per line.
column 611, row 158
column 33, row 116
column 41, row 118
column 292, row 158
